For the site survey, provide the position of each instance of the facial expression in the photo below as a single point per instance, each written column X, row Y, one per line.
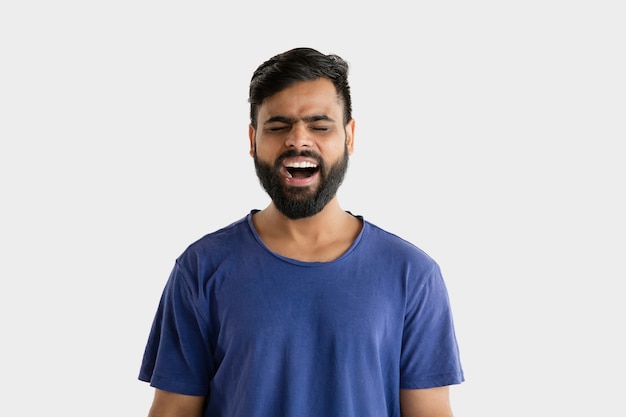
column 301, row 147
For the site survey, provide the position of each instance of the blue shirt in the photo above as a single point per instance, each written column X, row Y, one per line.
column 263, row 335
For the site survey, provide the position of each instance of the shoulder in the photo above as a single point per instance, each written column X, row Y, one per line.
column 386, row 243
column 232, row 233
column 215, row 247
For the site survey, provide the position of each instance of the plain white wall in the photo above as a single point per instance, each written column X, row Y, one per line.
column 489, row 133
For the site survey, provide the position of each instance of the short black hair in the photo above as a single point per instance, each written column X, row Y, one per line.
column 299, row 64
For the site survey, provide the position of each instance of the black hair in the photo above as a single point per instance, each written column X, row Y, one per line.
column 295, row 65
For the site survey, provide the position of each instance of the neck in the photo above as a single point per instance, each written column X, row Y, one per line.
column 320, row 238
column 312, row 227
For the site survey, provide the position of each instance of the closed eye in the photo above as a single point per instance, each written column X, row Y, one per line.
column 277, row 129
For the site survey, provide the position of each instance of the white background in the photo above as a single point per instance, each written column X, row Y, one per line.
column 489, row 133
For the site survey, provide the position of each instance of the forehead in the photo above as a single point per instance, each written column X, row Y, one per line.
column 303, row 98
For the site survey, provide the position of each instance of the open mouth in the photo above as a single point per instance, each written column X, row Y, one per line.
column 301, row 169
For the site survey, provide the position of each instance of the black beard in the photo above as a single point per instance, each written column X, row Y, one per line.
column 298, row 202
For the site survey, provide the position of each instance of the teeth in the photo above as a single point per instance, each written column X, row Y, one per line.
column 302, row 165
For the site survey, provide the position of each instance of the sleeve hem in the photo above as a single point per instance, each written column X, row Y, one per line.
column 432, row 382
column 178, row 387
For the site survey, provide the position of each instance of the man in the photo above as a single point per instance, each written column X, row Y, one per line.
column 302, row 309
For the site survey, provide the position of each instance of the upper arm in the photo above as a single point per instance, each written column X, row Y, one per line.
column 430, row 402
column 169, row 404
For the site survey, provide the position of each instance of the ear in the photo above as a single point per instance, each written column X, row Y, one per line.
column 251, row 136
column 350, row 136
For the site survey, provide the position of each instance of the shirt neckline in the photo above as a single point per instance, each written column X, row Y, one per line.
column 298, row 262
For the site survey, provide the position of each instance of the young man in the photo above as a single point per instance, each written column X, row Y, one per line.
column 302, row 309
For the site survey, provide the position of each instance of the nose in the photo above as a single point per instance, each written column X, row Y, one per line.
column 299, row 136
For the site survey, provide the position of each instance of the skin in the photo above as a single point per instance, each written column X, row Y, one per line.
column 431, row 402
column 169, row 404
column 307, row 115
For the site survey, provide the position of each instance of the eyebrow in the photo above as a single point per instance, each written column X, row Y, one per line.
column 306, row 119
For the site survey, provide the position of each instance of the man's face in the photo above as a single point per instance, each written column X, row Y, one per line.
column 301, row 147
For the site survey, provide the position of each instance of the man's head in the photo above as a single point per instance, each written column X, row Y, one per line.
column 301, row 129
column 295, row 65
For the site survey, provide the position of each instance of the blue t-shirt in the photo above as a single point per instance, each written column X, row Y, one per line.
column 262, row 335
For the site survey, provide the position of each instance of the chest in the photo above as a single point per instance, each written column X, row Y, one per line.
column 319, row 307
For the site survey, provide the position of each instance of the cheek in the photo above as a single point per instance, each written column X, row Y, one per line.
column 263, row 153
column 334, row 151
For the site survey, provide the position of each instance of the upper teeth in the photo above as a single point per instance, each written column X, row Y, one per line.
column 301, row 165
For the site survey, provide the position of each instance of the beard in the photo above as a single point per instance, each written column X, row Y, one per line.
column 300, row 202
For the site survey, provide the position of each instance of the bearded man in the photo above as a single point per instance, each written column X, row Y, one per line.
column 302, row 308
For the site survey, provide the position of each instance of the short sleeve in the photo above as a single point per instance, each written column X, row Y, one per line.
column 177, row 357
column 430, row 354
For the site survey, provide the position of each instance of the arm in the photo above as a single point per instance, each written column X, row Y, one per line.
column 431, row 402
column 169, row 404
